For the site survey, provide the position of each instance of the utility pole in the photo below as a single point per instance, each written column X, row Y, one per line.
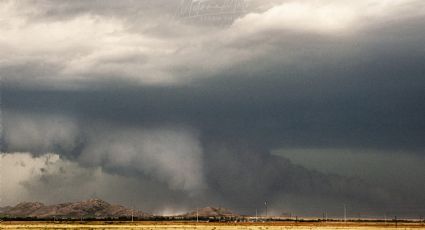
column 197, row 215
column 345, row 213
column 265, row 204
column 1, row 140
column 256, row 215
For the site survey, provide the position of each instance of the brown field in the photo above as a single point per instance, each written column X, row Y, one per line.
column 205, row 226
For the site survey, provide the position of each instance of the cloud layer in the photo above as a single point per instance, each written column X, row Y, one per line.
column 91, row 44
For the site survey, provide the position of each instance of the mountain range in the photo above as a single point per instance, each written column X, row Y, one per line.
column 95, row 208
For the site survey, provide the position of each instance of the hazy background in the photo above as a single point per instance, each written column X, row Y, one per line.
column 308, row 105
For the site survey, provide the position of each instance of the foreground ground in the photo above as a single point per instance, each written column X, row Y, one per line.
column 206, row 226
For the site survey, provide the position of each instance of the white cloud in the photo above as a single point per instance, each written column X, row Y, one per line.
column 300, row 16
column 170, row 155
column 329, row 16
column 46, row 178
column 51, row 179
column 40, row 132
column 89, row 47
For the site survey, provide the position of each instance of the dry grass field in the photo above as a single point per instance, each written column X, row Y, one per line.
column 205, row 226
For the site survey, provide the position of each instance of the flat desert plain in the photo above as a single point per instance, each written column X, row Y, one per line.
column 205, row 226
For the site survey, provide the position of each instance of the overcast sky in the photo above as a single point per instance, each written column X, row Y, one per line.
column 308, row 105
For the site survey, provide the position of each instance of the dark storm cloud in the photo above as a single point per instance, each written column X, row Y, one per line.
column 224, row 101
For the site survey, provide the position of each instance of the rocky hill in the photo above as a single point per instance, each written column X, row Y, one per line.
column 93, row 208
